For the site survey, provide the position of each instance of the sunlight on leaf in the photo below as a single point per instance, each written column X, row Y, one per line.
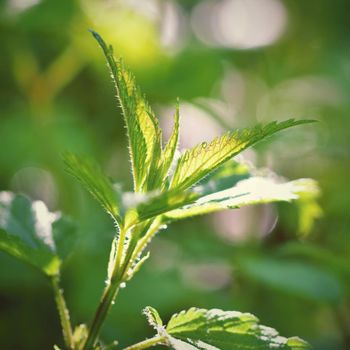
column 142, row 126
column 158, row 204
column 29, row 232
column 159, row 176
column 215, row 329
column 254, row 190
column 153, row 317
column 199, row 161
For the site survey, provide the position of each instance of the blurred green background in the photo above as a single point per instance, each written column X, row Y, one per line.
column 232, row 63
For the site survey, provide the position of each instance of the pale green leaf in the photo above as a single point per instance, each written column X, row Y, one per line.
column 158, row 175
column 79, row 335
column 158, row 204
column 199, row 161
column 309, row 210
column 142, row 126
column 253, row 190
column 170, row 148
column 29, row 232
column 90, row 175
column 200, row 329
column 137, row 266
column 153, row 317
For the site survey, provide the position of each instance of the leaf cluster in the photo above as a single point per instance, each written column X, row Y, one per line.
column 166, row 187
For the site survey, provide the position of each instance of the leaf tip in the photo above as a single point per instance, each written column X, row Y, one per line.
column 153, row 317
column 99, row 39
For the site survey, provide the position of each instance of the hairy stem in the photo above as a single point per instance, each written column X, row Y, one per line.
column 147, row 343
column 108, row 295
column 63, row 312
column 119, row 253
column 141, row 245
column 121, row 266
column 106, row 302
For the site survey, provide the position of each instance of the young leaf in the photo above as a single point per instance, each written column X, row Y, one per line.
column 92, row 178
column 168, row 153
column 153, row 317
column 200, row 329
column 142, row 126
column 199, row 161
column 80, row 334
column 29, row 232
column 249, row 191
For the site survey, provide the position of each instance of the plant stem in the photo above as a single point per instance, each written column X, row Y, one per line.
column 108, row 295
column 147, row 343
column 106, row 302
column 63, row 312
column 141, row 245
column 119, row 253
column 120, row 268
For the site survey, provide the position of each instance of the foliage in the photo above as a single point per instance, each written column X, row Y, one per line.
column 31, row 233
column 204, row 180
column 202, row 329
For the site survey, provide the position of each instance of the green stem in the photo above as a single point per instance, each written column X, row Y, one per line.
column 147, row 343
column 120, row 268
column 119, row 253
column 63, row 312
column 106, row 302
column 141, row 245
column 108, row 295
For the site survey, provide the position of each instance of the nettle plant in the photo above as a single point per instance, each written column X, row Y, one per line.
column 168, row 186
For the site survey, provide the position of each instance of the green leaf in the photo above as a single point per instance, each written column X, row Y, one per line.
column 90, row 175
column 31, row 233
column 253, row 190
column 157, row 204
column 225, row 177
column 158, row 178
column 294, row 277
column 200, row 329
column 80, row 334
column 142, row 126
column 309, row 210
column 146, row 207
column 153, row 317
column 199, row 161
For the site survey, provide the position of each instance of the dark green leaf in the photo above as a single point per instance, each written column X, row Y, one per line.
column 293, row 277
